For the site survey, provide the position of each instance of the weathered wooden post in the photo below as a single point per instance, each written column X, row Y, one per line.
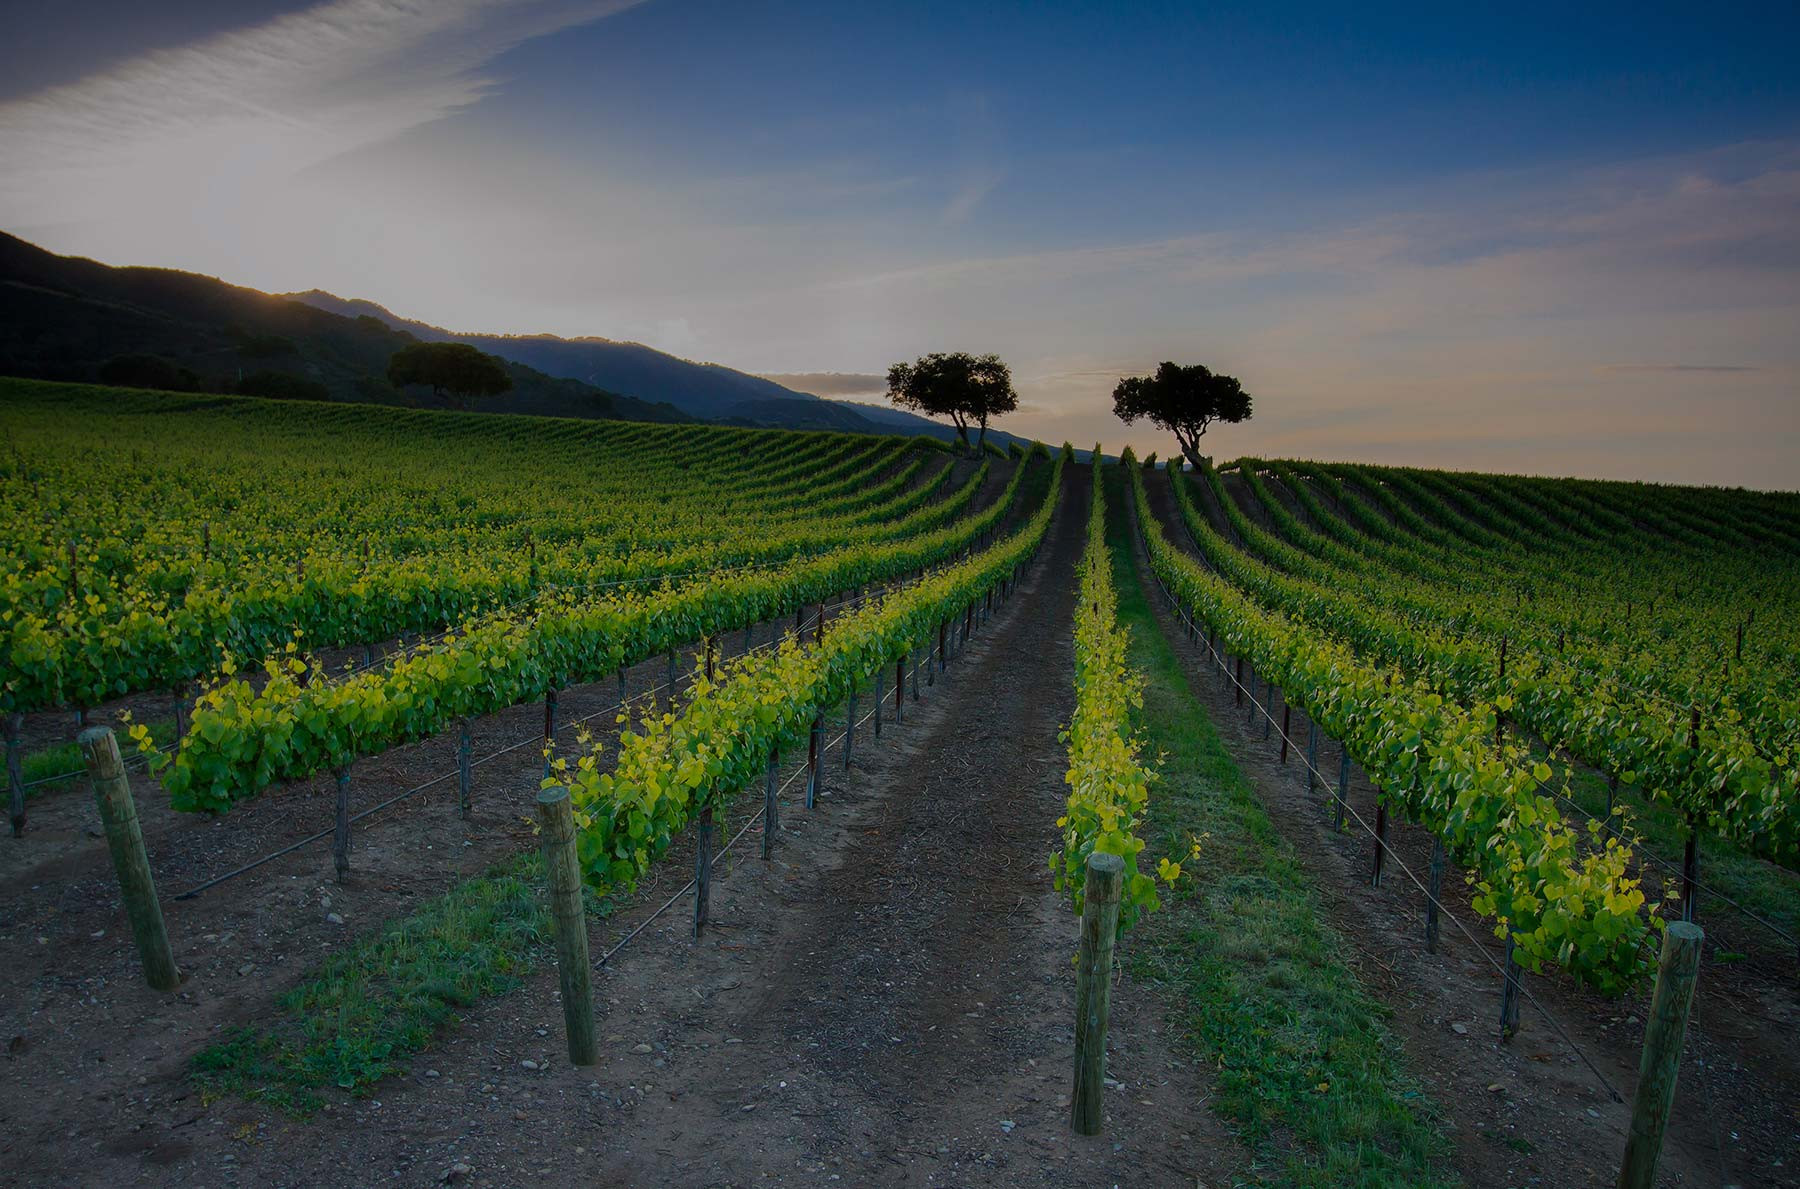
column 1286, row 722
column 771, row 803
column 1380, row 841
column 814, row 770
column 465, row 770
column 1676, row 973
column 900, row 686
column 549, row 728
column 118, row 814
column 913, row 659
column 849, row 724
column 15, row 773
column 562, row 872
column 1690, row 858
column 1433, row 894
column 880, row 672
column 340, row 832
column 703, row 840
column 1509, row 991
column 1093, row 990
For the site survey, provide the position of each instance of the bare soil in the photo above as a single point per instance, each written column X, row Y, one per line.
column 887, row 1001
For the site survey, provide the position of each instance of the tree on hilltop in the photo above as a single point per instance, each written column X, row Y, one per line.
column 1183, row 400
column 959, row 386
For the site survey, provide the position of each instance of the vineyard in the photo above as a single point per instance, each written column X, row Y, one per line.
column 837, row 749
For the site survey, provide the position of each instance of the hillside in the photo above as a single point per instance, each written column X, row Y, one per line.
column 709, row 391
column 64, row 318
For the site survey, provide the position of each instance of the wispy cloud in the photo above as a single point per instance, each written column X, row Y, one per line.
column 830, row 383
column 224, row 119
column 1679, row 367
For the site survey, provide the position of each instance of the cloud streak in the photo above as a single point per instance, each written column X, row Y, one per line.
column 1677, row 368
column 226, row 119
column 830, row 383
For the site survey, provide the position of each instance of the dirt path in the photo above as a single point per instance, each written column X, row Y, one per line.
column 888, row 1001
column 1527, row 1111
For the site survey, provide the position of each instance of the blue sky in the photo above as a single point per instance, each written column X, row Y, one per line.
column 1536, row 239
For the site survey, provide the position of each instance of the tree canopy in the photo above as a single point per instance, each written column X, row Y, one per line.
column 456, row 368
column 959, row 386
column 1183, row 400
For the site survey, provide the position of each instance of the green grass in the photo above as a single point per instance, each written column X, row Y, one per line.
column 365, row 1010
column 1304, row 1070
column 64, row 760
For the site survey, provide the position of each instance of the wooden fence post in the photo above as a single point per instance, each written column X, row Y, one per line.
column 849, row 724
column 1343, row 789
column 15, row 773
column 1380, row 841
column 465, row 770
column 880, row 672
column 814, row 770
column 771, row 804
column 562, row 871
column 703, row 839
column 1676, row 973
column 1433, row 894
column 1690, row 871
column 1286, row 722
column 340, row 833
column 118, row 814
column 1093, row 990
column 1509, row 992
column 549, row 728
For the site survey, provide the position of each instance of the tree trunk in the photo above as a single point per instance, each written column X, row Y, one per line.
column 1190, row 446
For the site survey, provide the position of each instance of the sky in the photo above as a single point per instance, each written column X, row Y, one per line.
column 1544, row 239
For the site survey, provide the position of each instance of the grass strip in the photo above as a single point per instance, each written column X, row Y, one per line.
column 1305, row 1071
column 367, row 1008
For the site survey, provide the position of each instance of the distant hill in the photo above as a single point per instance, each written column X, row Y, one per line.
column 66, row 318
column 709, row 391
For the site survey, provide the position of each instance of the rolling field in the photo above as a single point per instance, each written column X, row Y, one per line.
column 1409, row 771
